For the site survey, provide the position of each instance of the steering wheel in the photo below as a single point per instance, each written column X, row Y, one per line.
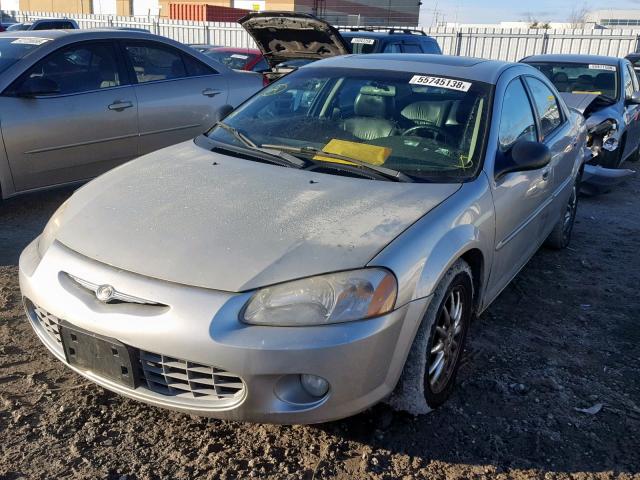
column 436, row 131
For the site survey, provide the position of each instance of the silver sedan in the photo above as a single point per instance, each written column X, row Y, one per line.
column 323, row 248
column 76, row 103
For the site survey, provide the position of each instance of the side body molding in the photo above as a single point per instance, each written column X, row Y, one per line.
column 463, row 222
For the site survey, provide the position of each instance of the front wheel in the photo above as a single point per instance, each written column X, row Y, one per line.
column 560, row 236
column 432, row 365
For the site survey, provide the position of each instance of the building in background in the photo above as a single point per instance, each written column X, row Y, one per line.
column 363, row 12
column 339, row 12
column 612, row 18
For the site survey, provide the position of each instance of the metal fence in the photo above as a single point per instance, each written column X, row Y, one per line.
column 494, row 43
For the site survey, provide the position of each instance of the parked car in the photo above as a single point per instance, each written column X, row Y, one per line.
column 283, row 266
column 45, row 24
column 605, row 91
column 236, row 58
column 289, row 40
column 75, row 104
column 5, row 25
column 634, row 58
column 389, row 40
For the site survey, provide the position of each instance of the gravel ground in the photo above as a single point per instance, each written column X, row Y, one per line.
column 563, row 336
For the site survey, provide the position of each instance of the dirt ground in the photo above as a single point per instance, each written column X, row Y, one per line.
column 564, row 335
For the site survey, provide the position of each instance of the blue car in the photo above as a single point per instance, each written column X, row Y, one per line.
column 605, row 91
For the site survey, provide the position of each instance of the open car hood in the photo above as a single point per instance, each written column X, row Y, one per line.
column 579, row 101
column 586, row 103
column 283, row 36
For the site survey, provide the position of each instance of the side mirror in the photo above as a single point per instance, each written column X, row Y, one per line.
column 634, row 99
column 525, row 155
column 36, row 86
column 225, row 111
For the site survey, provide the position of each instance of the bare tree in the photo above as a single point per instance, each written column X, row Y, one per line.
column 578, row 15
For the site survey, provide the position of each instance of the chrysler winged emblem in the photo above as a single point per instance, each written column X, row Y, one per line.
column 104, row 293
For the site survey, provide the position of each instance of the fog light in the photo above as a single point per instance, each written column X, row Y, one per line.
column 314, row 385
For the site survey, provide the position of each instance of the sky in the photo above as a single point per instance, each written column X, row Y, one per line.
column 494, row 11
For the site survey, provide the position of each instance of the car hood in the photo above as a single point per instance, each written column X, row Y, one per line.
column 191, row 216
column 595, row 108
column 283, row 36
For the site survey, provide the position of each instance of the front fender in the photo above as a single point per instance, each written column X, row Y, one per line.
column 421, row 255
column 453, row 245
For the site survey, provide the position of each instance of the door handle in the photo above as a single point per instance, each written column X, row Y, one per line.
column 210, row 92
column 118, row 106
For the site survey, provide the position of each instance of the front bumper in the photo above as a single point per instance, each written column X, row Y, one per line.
column 362, row 361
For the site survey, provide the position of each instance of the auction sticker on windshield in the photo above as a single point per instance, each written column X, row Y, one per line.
column 449, row 83
column 609, row 68
column 364, row 41
column 31, row 40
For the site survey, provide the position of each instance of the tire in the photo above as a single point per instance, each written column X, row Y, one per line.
column 560, row 236
column 421, row 388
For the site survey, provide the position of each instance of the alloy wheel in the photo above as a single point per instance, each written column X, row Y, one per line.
column 448, row 340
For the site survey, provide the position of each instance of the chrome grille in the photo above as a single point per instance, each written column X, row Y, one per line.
column 49, row 322
column 172, row 376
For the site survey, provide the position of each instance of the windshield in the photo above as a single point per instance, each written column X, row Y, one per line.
column 13, row 49
column 582, row 78
column 429, row 128
column 360, row 44
column 234, row 60
column 18, row 26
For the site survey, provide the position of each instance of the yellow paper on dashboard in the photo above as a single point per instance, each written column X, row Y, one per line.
column 373, row 154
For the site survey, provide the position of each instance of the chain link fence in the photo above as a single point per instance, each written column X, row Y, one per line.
column 493, row 43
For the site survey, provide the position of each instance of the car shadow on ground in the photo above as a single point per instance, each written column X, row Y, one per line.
column 22, row 219
column 563, row 336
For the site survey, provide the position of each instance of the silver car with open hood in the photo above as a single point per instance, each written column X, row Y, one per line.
column 321, row 249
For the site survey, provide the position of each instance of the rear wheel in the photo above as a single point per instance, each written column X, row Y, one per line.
column 560, row 236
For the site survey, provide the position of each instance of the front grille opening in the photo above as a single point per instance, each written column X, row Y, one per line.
column 176, row 377
column 50, row 323
column 173, row 377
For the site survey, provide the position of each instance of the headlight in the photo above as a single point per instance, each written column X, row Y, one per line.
column 334, row 298
column 51, row 229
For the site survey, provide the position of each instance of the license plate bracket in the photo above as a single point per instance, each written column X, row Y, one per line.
column 104, row 356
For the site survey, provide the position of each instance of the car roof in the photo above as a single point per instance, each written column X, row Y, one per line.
column 573, row 58
column 475, row 69
column 85, row 34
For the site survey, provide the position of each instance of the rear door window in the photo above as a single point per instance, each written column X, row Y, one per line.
column 154, row 62
column 195, row 68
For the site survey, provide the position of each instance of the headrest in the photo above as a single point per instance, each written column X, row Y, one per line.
column 432, row 112
column 372, row 105
column 605, row 81
column 561, row 77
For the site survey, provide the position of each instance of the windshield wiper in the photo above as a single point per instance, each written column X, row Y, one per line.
column 389, row 173
column 289, row 160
